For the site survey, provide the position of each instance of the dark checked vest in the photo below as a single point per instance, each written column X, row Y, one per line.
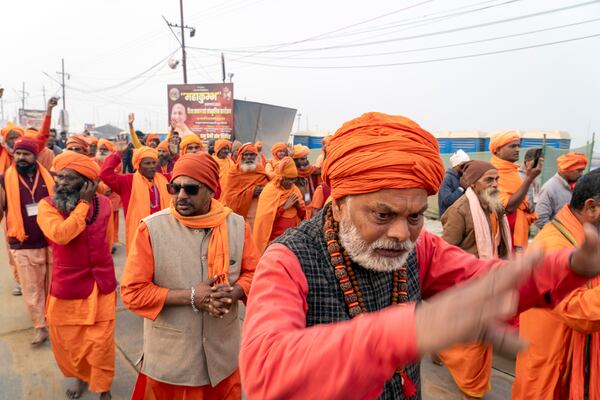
column 325, row 300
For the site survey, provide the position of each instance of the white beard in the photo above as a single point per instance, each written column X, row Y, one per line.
column 364, row 254
column 491, row 202
column 248, row 167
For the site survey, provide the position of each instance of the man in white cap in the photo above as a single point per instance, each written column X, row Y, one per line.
column 451, row 188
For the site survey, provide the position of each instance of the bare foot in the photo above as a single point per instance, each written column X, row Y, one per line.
column 41, row 335
column 105, row 396
column 76, row 390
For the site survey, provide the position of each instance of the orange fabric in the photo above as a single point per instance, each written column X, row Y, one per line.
column 301, row 151
column 46, row 158
column 78, row 141
column 317, row 202
column 379, row 151
column 14, row 218
column 10, row 126
column 92, row 140
column 220, row 144
column 238, row 187
column 147, row 388
column 143, row 152
column 248, row 147
column 502, row 139
column 258, row 144
column 508, row 184
column 225, row 164
column 151, row 137
column 163, row 145
column 307, row 172
column 571, row 162
column 279, row 146
column 198, row 166
column 77, row 162
column 186, row 141
column 108, row 144
column 6, row 159
column 470, row 366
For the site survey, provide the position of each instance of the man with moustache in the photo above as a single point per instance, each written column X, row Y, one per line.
column 22, row 187
column 222, row 150
column 335, row 305
column 279, row 150
column 81, row 306
column 476, row 223
column 308, row 175
column 165, row 158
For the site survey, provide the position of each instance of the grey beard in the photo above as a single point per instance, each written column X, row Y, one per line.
column 491, row 203
column 248, row 167
column 65, row 203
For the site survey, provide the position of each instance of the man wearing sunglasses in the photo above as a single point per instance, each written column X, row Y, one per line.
column 188, row 267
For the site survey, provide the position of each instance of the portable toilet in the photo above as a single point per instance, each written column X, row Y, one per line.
column 315, row 139
column 301, row 137
column 557, row 139
column 443, row 139
column 468, row 141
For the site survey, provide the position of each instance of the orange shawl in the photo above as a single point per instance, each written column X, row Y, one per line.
column 218, row 245
column 6, row 159
column 508, row 184
column 238, row 188
column 14, row 221
column 225, row 164
column 139, row 203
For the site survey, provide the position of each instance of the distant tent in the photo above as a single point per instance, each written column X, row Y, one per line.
column 108, row 131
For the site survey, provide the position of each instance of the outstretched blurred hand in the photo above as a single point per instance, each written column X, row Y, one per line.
column 586, row 259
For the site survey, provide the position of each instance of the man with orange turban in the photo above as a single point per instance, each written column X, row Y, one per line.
column 279, row 150
column 79, row 144
column 261, row 156
column 165, row 158
column 22, row 187
column 106, row 148
column 81, row 306
column 308, row 175
column 243, row 184
column 222, row 156
column 365, row 255
column 152, row 140
column 143, row 192
column 505, row 149
column 191, row 144
column 188, row 267
column 280, row 205
column 92, row 145
column 557, row 191
column 562, row 360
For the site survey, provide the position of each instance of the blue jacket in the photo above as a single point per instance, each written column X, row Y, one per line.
column 450, row 191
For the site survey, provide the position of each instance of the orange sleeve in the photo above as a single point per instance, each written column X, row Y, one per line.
column 59, row 229
column 138, row 291
column 250, row 258
column 581, row 310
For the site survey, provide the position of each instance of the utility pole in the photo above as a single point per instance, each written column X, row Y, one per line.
column 299, row 116
column 23, row 94
column 44, row 94
column 182, row 41
column 63, row 74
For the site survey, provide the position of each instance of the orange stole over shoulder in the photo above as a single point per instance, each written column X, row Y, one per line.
column 238, row 188
column 509, row 183
column 225, row 164
column 139, row 205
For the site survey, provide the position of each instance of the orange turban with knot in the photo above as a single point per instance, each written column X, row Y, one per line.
column 12, row 127
column 258, row 144
column 301, row 151
column 143, row 152
column 78, row 140
column 92, row 140
column 286, row 168
column 378, row 151
column 571, row 162
column 220, row 144
column 279, row 146
column 502, row 139
column 189, row 139
column 248, row 147
column 151, row 137
column 199, row 166
column 163, row 145
column 108, row 144
column 77, row 162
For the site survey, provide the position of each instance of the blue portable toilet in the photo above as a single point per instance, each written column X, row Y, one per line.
column 315, row 139
column 301, row 137
column 557, row 139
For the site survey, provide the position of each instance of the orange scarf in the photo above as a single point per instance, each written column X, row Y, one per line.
column 306, row 172
column 14, row 221
column 238, row 188
column 139, row 202
column 224, row 165
column 5, row 159
column 218, row 245
column 508, row 184
column 272, row 197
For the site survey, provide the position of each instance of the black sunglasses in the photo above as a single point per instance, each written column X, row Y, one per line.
column 190, row 190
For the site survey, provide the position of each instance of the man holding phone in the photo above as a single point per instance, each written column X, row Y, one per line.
column 505, row 149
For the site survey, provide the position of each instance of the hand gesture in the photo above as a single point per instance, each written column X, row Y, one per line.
column 53, row 102
column 222, row 298
column 586, row 259
column 290, row 202
column 534, row 172
column 121, row 146
column 131, row 118
column 203, row 291
column 88, row 190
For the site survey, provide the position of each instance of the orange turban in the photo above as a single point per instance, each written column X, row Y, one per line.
column 571, row 162
column 189, row 139
column 280, row 146
column 163, row 145
column 244, row 149
column 258, row 144
column 286, row 168
column 78, row 140
column 92, row 140
column 301, row 151
column 108, row 144
column 502, row 139
column 199, row 166
column 220, row 144
column 143, row 152
column 12, row 127
column 378, row 151
column 77, row 162
column 151, row 137
column 31, row 133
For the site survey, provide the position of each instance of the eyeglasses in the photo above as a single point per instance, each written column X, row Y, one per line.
column 190, row 190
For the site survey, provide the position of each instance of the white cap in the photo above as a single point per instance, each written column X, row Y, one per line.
column 458, row 158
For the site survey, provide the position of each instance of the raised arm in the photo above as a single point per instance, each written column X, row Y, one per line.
column 134, row 138
column 59, row 229
column 117, row 182
column 44, row 132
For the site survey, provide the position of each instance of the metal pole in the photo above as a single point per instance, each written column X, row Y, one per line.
column 44, row 94
column 23, row 97
column 63, row 83
column 183, row 62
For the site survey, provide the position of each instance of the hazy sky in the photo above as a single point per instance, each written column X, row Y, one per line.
column 107, row 45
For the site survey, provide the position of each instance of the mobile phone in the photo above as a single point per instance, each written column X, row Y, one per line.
column 536, row 157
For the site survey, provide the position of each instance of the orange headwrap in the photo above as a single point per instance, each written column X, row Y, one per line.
column 31, row 133
column 571, row 162
column 258, row 144
column 198, row 166
column 301, row 151
column 108, row 144
column 189, row 139
column 143, row 152
column 221, row 144
column 151, row 137
column 77, row 162
column 279, row 146
column 248, row 147
column 163, row 145
column 78, row 140
column 286, row 168
column 12, row 127
column 92, row 140
column 378, row 151
column 502, row 139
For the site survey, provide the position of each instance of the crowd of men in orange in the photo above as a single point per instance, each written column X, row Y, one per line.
column 198, row 217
